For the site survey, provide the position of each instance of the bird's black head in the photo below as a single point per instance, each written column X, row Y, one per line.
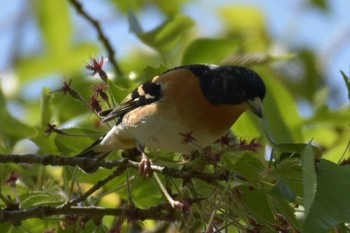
column 228, row 84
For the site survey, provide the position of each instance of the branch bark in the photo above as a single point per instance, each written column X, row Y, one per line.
column 95, row 213
column 56, row 160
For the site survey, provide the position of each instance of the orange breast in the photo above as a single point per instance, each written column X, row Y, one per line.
column 182, row 92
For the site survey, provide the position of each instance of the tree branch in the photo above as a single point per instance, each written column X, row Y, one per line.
column 109, row 164
column 96, row 213
column 103, row 38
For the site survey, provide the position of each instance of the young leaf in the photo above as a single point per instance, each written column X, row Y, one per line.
column 347, row 82
column 164, row 37
column 209, row 50
column 150, row 72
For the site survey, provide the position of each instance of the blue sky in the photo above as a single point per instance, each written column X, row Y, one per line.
column 290, row 22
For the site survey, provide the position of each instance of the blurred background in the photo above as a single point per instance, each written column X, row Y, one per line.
column 318, row 28
column 298, row 47
column 305, row 44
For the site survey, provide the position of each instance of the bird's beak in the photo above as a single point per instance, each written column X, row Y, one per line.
column 255, row 106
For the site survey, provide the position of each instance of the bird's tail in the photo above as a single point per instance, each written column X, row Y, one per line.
column 90, row 152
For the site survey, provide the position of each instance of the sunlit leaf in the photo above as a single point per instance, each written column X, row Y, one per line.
column 118, row 93
column 70, row 61
column 337, row 153
column 212, row 51
column 347, row 82
column 322, row 134
column 151, row 72
column 165, row 36
column 340, row 117
column 280, row 111
column 246, row 22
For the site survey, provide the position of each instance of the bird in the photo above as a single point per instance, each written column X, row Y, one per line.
column 197, row 101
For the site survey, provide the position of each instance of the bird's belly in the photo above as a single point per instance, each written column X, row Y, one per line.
column 168, row 135
column 172, row 137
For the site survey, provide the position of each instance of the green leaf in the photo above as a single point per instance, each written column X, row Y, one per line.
column 247, row 126
column 247, row 23
column 69, row 61
column 212, row 51
column 336, row 153
column 118, row 93
column 339, row 117
column 285, row 190
column 134, row 24
column 38, row 198
column 281, row 117
column 12, row 129
column 54, row 21
column 45, row 142
column 151, row 72
column 309, row 177
column 7, row 227
column 250, row 167
column 323, row 134
column 331, row 205
column 256, row 204
column 285, row 150
column 321, row 4
column 153, row 196
column 164, row 37
column 74, row 144
column 347, row 82
column 290, row 171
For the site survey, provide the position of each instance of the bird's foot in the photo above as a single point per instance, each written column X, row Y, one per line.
column 145, row 166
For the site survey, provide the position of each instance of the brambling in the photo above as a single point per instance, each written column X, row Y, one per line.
column 197, row 101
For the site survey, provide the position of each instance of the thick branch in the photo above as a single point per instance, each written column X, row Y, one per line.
column 132, row 213
column 125, row 163
column 103, row 38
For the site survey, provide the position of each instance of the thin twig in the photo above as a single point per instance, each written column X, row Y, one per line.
column 94, row 188
column 103, row 38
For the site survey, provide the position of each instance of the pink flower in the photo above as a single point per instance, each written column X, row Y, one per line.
column 188, row 138
column 95, row 104
column 13, row 178
column 99, row 90
column 96, row 67
column 66, row 87
column 252, row 145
